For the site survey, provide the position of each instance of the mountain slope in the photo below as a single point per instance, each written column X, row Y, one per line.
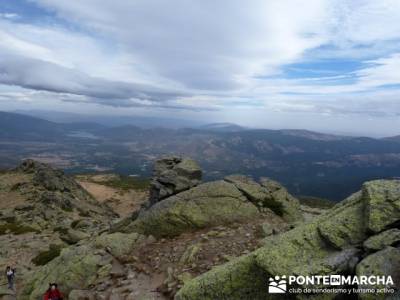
column 222, row 127
column 22, row 127
column 308, row 163
column 16, row 126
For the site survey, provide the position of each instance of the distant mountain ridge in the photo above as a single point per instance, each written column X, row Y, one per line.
column 110, row 121
column 223, row 127
column 18, row 126
column 307, row 162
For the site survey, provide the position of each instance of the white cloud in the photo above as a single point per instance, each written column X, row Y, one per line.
column 383, row 71
column 10, row 16
column 209, row 45
column 206, row 54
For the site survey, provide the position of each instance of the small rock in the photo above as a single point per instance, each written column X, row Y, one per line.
column 383, row 239
column 385, row 262
column 189, row 256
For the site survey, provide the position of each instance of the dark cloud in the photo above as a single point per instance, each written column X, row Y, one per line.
column 42, row 75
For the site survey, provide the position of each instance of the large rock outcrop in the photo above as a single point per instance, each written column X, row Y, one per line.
column 384, row 262
column 172, row 175
column 380, row 241
column 268, row 194
column 383, row 203
column 82, row 265
column 206, row 205
column 51, row 200
column 235, row 199
column 330, row 244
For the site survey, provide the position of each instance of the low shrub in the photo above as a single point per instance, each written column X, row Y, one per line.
column 46, row 256
column 15, row 228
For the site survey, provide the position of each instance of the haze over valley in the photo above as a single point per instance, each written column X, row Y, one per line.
column 308, row 163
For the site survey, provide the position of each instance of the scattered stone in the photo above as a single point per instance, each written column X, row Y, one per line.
column 281, row 201
column 120, row 245
column 189, row 256
column 266, row 229
column 80, row 266
column 382, row 263
column 81, row 295
column 383, row 203
column 383, row 239
column 72, row 236
column 268, row 194
column 347, row 226
column 328, row 244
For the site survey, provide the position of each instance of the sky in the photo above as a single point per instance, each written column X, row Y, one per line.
column 325, row 65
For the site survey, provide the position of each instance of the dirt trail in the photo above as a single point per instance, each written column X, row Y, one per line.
column 121, row 201
column 9, row 198
column 173, row 261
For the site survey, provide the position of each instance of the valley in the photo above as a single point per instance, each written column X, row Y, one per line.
column 308, row 163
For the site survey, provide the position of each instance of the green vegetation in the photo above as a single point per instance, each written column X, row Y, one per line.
column 9, row 219
column 44, row 257
column 15, row 228
column 67, row 209
column 316, row 202
column 127, row 183
column 277, row 208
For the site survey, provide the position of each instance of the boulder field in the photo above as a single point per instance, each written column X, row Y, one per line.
column 359, row 236
column 84, row 264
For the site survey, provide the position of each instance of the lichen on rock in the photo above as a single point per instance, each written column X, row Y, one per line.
column 172, row 175
column 330, row 244
column 268, row 194
column 236, row 280
column 79, row 266
column 383, row 239
column 383, row 203
column 345, row 225
column 206, row 205
column 382, row 263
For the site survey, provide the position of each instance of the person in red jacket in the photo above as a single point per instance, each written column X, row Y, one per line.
column 53, row 293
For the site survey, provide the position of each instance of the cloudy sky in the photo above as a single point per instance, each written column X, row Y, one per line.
column 328, row 65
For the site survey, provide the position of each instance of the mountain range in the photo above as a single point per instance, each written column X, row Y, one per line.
column 308, row 163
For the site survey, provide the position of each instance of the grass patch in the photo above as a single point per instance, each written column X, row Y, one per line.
column 16, row 228
column 46, row 256
column 316, row 202
column 127, row 183
column 276, row 208
column 67, row 208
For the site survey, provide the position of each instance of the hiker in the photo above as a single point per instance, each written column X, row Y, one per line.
column 53, row 293
column 10, row 273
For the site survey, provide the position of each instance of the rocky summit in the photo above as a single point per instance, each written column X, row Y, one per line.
column 352, row 238
column 237, row 198
column 172, row 175
column 189, row 240
column 45, row 198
